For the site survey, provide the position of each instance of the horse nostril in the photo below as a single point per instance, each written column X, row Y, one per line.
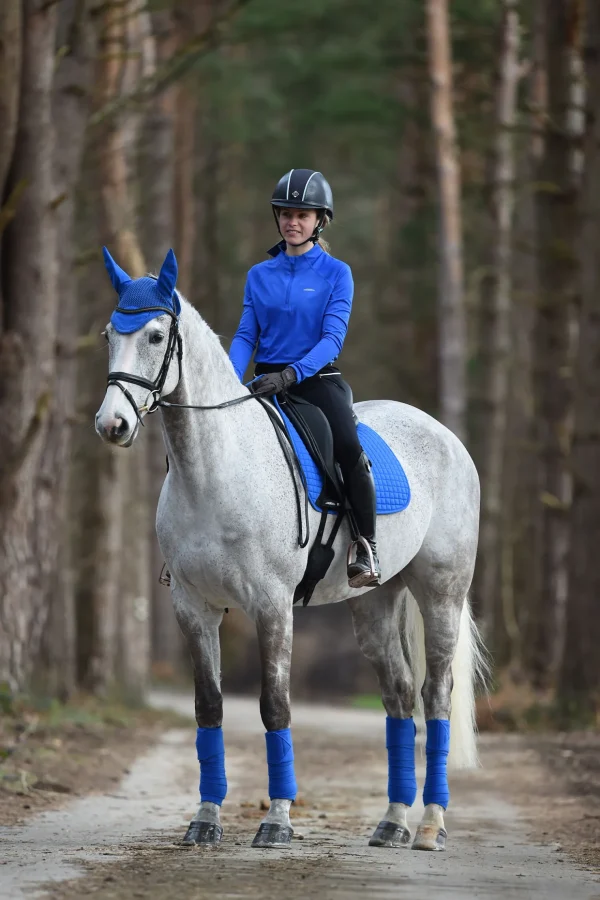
column 121, row 428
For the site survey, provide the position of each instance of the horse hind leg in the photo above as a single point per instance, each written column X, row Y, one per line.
column 378, row 619
column 450, row 642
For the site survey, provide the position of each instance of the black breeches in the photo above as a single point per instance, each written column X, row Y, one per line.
column 334, row 398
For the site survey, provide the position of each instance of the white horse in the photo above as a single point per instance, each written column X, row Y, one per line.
column 227, row 527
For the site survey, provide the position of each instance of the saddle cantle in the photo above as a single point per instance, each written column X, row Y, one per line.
column 310, row 436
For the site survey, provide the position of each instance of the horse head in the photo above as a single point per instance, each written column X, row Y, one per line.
column 144, row 349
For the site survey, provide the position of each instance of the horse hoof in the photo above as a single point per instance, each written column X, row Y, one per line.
column 389, row 834
column 430, row 837
column 203, row 833
column 272, row 836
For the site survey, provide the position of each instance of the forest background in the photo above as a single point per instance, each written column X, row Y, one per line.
column 462, row 144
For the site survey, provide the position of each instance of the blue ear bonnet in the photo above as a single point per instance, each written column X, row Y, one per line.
column 140, row 293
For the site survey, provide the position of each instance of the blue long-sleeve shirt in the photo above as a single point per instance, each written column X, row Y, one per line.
column 296, row 309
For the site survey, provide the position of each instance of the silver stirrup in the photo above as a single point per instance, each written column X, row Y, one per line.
column 363, row 578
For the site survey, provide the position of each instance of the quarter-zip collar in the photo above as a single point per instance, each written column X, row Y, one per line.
column 280, row 256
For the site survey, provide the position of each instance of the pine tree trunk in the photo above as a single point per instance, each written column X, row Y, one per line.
column 113, row 586
column 157, row 230
column 71, row 108
column 580, row 670
column 27, row 363
column 10, row 82
column 526, row 525
column 497, row 314
column 392, row 330
column 452, row 322
column 558, row 227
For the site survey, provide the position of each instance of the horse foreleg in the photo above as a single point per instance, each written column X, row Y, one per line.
column 378, row 625
column 274, row 631
column 200, row 626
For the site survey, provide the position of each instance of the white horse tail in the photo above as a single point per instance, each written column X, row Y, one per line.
column 470, row 669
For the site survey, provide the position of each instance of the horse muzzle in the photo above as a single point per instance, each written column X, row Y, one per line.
column 116, row 430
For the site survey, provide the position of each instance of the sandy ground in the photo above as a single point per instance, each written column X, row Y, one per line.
column 126, row 843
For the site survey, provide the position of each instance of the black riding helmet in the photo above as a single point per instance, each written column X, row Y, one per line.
column 304, row 189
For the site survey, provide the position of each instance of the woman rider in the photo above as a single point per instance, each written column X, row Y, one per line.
column 296, row 309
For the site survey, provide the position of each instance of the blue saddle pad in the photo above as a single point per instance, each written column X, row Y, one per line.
column 391, row 484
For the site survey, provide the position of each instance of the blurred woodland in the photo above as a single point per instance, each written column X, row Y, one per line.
column 462, row 143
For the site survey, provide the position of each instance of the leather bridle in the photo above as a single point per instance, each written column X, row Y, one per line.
column 155, row 388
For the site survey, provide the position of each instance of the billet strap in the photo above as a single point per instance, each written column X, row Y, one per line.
column 319, row 559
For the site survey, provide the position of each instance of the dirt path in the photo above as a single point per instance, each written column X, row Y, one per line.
column 125, row 844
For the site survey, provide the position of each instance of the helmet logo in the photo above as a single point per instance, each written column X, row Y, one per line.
column 295, row 193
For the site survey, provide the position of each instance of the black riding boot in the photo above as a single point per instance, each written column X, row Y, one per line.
column 360, row 486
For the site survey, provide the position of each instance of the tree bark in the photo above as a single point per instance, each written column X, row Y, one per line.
column 113, row 587
column 525, row 529
column 10, row 81
column 27, row 358
column 558, row 227
column 70, row 109
column 157, row 229
column 580, row 669
column 452, row 322
column 497, row 327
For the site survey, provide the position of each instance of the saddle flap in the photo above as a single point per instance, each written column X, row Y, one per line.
column 311, row 424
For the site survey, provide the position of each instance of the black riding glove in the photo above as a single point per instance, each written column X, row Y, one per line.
column 274, row 382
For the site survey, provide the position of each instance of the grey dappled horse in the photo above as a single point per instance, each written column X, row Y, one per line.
column 227, row 526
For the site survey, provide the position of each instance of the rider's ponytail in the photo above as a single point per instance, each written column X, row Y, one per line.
column 323, row 244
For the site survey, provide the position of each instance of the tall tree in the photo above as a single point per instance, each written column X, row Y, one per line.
column 27, row 358
column 71, row 106
column 113, row 588
column 10, row 81
column 496, row 333
column 580, row 670
column 157, row 232
column 556, row 337
column 452, row 321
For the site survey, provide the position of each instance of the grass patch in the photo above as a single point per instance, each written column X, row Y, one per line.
column 50, row 750
column 366, row 701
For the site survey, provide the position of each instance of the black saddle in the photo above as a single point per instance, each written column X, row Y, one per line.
column 314, row 429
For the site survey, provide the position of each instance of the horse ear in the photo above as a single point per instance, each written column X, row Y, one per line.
column 167, row 278
column 118, row 277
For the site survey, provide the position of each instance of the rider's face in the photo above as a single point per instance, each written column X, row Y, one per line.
column 297, row 225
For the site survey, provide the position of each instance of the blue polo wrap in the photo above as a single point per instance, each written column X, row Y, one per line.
column 211, row 756
column 400, row 743
column 280, row 762
column 437, row 747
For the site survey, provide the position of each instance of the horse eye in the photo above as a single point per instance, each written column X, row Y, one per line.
column 156, row 337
